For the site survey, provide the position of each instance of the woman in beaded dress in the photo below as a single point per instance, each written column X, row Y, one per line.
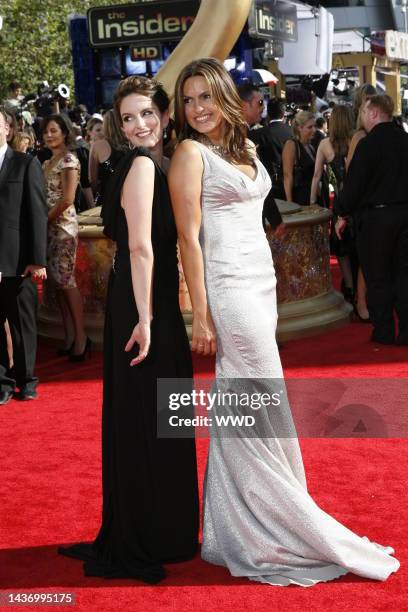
column 258, row 519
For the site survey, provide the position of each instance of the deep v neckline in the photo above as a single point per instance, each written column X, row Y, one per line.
column 252, row 180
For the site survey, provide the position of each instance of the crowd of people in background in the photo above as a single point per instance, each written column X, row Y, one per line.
column 306, row 154
column 50, row 158
column 209, row 198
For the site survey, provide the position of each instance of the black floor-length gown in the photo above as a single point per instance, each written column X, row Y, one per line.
column 150, row 498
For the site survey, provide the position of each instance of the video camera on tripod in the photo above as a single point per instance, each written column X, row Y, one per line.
column 43, row 101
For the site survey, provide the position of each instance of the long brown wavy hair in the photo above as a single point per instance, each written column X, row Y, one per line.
column 341, row 127
column 227, row 100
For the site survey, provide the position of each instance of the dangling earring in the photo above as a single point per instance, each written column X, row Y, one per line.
column 165, row 134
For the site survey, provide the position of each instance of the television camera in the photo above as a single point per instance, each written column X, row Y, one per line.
column 45, row 98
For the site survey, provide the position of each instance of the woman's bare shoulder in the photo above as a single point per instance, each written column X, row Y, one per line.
column 326, row 147
column 188, row 146
column 186, row 150
column 289, row 146
column 142, row 163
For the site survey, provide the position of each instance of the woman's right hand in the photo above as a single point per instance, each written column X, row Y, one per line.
column 204, row 340
column 141, row 336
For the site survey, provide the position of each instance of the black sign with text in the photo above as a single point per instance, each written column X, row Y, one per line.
column 124, row 24
column 276, row 21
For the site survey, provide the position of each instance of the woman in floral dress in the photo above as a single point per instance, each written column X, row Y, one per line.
column 62, row 174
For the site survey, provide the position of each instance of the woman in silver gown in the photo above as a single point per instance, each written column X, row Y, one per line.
column 259, row 520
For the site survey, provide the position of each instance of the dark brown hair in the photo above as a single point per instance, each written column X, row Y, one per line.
column 227, row 100
column 66, row 127
column 145, row 87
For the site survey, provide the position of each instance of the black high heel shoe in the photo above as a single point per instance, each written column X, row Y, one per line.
column 81, row 356
column 64, row 352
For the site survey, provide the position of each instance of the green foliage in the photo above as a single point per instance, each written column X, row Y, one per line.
column 34, row 41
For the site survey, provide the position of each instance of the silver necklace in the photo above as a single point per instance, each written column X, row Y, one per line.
column 218, row 149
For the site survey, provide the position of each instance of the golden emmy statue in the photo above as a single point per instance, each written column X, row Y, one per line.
column 307, row 303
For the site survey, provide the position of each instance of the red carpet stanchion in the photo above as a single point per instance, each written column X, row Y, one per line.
column 50, row 491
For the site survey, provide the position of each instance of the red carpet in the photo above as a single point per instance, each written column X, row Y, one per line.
column 50, row 492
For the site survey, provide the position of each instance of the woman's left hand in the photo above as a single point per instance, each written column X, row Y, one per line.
column 204, row 339
column 140, row 336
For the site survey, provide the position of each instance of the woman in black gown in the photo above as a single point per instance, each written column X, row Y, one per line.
column 298, row 159
column 150, row 500
column 332, row 153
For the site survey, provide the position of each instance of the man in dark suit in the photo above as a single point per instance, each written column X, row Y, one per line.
column 376, row 192
column 252, row 105
column 270, row 141
column 23, row 238
column 321, row 132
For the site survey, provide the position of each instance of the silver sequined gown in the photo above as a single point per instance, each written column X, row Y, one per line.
column 259, row 520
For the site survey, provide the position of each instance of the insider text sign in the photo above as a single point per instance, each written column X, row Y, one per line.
column 273, row 20
column 124, row 24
